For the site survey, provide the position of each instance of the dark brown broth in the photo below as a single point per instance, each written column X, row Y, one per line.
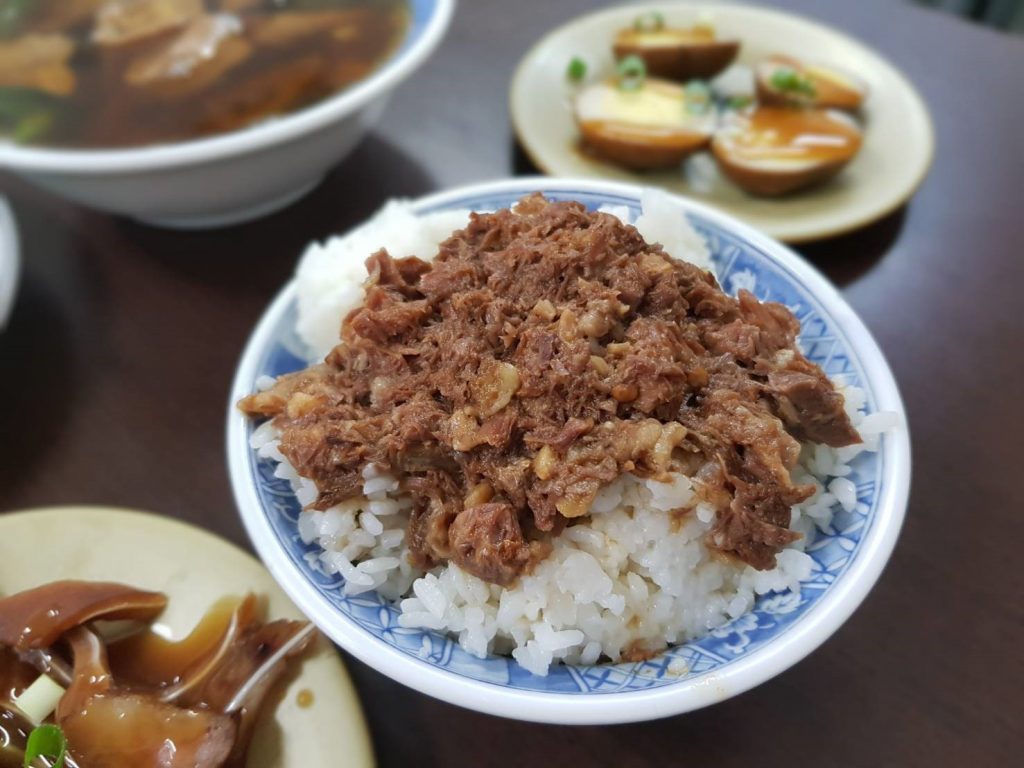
column 105, row 111
column 14, row 731
column 14, row 728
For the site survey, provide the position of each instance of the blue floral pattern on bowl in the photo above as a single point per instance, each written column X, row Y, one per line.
column 739, row 264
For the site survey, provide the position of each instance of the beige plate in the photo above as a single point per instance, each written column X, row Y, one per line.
column 194, row 569
column 895, row 157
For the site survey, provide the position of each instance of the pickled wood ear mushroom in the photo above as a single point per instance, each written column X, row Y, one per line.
column 140, row 700
column 656, row 124
column 785, row 81
column 109, row 727
column 677, row 53
column 38, row 617
column 772, row 151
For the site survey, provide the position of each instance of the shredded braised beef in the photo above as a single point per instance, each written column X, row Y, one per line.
column 542, row 354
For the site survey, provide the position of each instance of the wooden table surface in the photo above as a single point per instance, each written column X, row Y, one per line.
column 119, row 354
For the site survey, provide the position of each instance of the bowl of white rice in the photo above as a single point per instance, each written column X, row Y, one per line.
column 553, row 646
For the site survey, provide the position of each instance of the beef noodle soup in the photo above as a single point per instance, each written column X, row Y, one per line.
column 124, row 73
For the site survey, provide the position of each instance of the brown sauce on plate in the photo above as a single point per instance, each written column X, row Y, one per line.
column 798, row 134
column 147, row 658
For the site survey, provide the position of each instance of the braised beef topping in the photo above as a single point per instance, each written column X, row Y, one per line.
column 543, row 353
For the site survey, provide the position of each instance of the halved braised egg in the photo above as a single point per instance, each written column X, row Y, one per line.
column 771, row 151
column 677, row 53
column 649, row 124
column 786, row 81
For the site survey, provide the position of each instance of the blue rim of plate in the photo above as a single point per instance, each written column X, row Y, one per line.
column 738, row 260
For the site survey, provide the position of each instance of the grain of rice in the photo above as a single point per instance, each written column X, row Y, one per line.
column 378, row 564
column 370, row 523
column 845, row 492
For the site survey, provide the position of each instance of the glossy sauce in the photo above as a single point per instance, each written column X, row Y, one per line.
column 14, row 676
column 149, row 659
column 305, row 698
column 251, row 60
column 783, row 133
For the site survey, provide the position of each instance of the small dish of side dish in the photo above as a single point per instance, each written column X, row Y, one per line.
column 137, row 640
column 567, row 451
column 788, row 124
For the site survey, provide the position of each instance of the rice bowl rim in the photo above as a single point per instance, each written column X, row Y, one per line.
column 739, row 675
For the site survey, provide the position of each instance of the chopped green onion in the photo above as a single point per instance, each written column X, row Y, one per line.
column 698, row 97
column 577, row 69
column 16, row 102
column 740, row 101
column 46, row 741
column 631, row 71
column 790, row 81
column 33, row 127
column 649, row 22
column 26, row 115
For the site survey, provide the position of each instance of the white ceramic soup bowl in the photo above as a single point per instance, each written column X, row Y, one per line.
column 781, row 628
column 240, row 175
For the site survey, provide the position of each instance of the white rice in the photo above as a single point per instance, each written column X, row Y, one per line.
column 634, row 575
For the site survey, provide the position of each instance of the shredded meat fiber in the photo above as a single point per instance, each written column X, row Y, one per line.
column 545, row 352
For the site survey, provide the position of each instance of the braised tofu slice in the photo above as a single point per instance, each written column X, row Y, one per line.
column 38, row 62
column 193, row 60
column 121, row 22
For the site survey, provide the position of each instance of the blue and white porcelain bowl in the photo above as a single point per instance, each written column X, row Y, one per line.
column 240, row 175
column 777, row 633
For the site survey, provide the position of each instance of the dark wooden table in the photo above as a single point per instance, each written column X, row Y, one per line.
column 118, row 357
